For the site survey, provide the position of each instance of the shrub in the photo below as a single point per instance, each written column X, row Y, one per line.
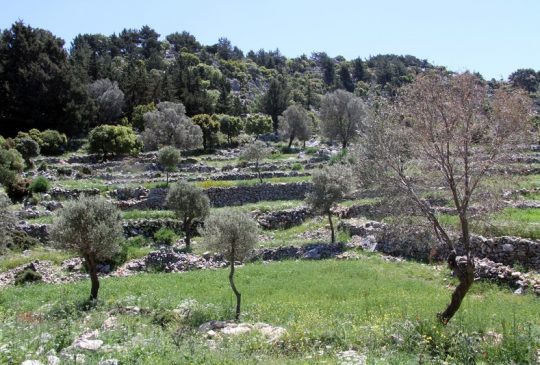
column 297, row 167
column 165, row 236
column 39, row 185
column 114, row 139
column 27, row 276
column 17, row 189
column 28, row 148
column 257, row 124
column 209, row 126
column 66, row 171
column 52, row 142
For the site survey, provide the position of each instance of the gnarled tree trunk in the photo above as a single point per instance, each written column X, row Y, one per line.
column 331, row 227
column 465, row 274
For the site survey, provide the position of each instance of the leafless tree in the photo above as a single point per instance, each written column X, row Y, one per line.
column 447, row 132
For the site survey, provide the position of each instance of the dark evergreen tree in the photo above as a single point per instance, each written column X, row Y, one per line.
column 276, row 100
column 358, row 69
column 345, row 79
column 37, row 86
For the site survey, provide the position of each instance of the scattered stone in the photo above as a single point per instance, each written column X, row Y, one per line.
column 53, row 360
column 31, row 362
column 351, row 357
column 214, row 329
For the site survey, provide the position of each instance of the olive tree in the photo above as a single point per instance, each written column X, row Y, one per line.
column 108, row 98
column 342, row 116
column 294, row 123
column 445, row 132
column 168, row 158
column 256, row 151
column 330, row 185
column 234, row 234
column 92, row 226
column 170, row 126
column 188, row 203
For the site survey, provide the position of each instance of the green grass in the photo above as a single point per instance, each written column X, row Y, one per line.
column 147, row 214
column 509, row 222
column 250, row 182
column 326, row 307
column 85, row 184
column 13, row 259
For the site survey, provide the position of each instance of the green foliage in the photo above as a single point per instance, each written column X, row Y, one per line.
column 112, row 139
column 295, row 123
column 11, row 163
column 137, row 120
column 209, row 126
column 189, row 203
column 230, row 126
column 27, row 276
column 37, row 85
column 276, row 100
column 17, row 188
column 257, row 124
column 330, row 185
column 28, row 148
column 91, row 226
column 165, row 236
column 52, row 142
column 7, row 222
column 39, row 185
column 168, row 158
column 230, row 232
column 170, row 126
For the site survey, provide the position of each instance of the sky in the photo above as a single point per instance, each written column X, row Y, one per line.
column 493, row 37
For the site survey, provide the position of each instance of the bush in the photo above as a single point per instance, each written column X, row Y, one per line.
column 66, row 171
column 297, row 167
column 27, row 276
column 39, row 185
column 165, row 236
column 52, row 142
column 28, row 148
column 17, row 189
column 114, row 139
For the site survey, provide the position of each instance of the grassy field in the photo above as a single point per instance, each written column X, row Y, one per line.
column 383, row 310
column 509, row 222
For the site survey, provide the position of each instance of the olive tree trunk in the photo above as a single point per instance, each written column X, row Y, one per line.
column 331, row 227
column 258, row 171
column 187, row 229
column 236, row 292
column 92, row 270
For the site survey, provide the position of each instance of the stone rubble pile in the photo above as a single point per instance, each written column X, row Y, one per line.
column 215, row 329
column 169, row 260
